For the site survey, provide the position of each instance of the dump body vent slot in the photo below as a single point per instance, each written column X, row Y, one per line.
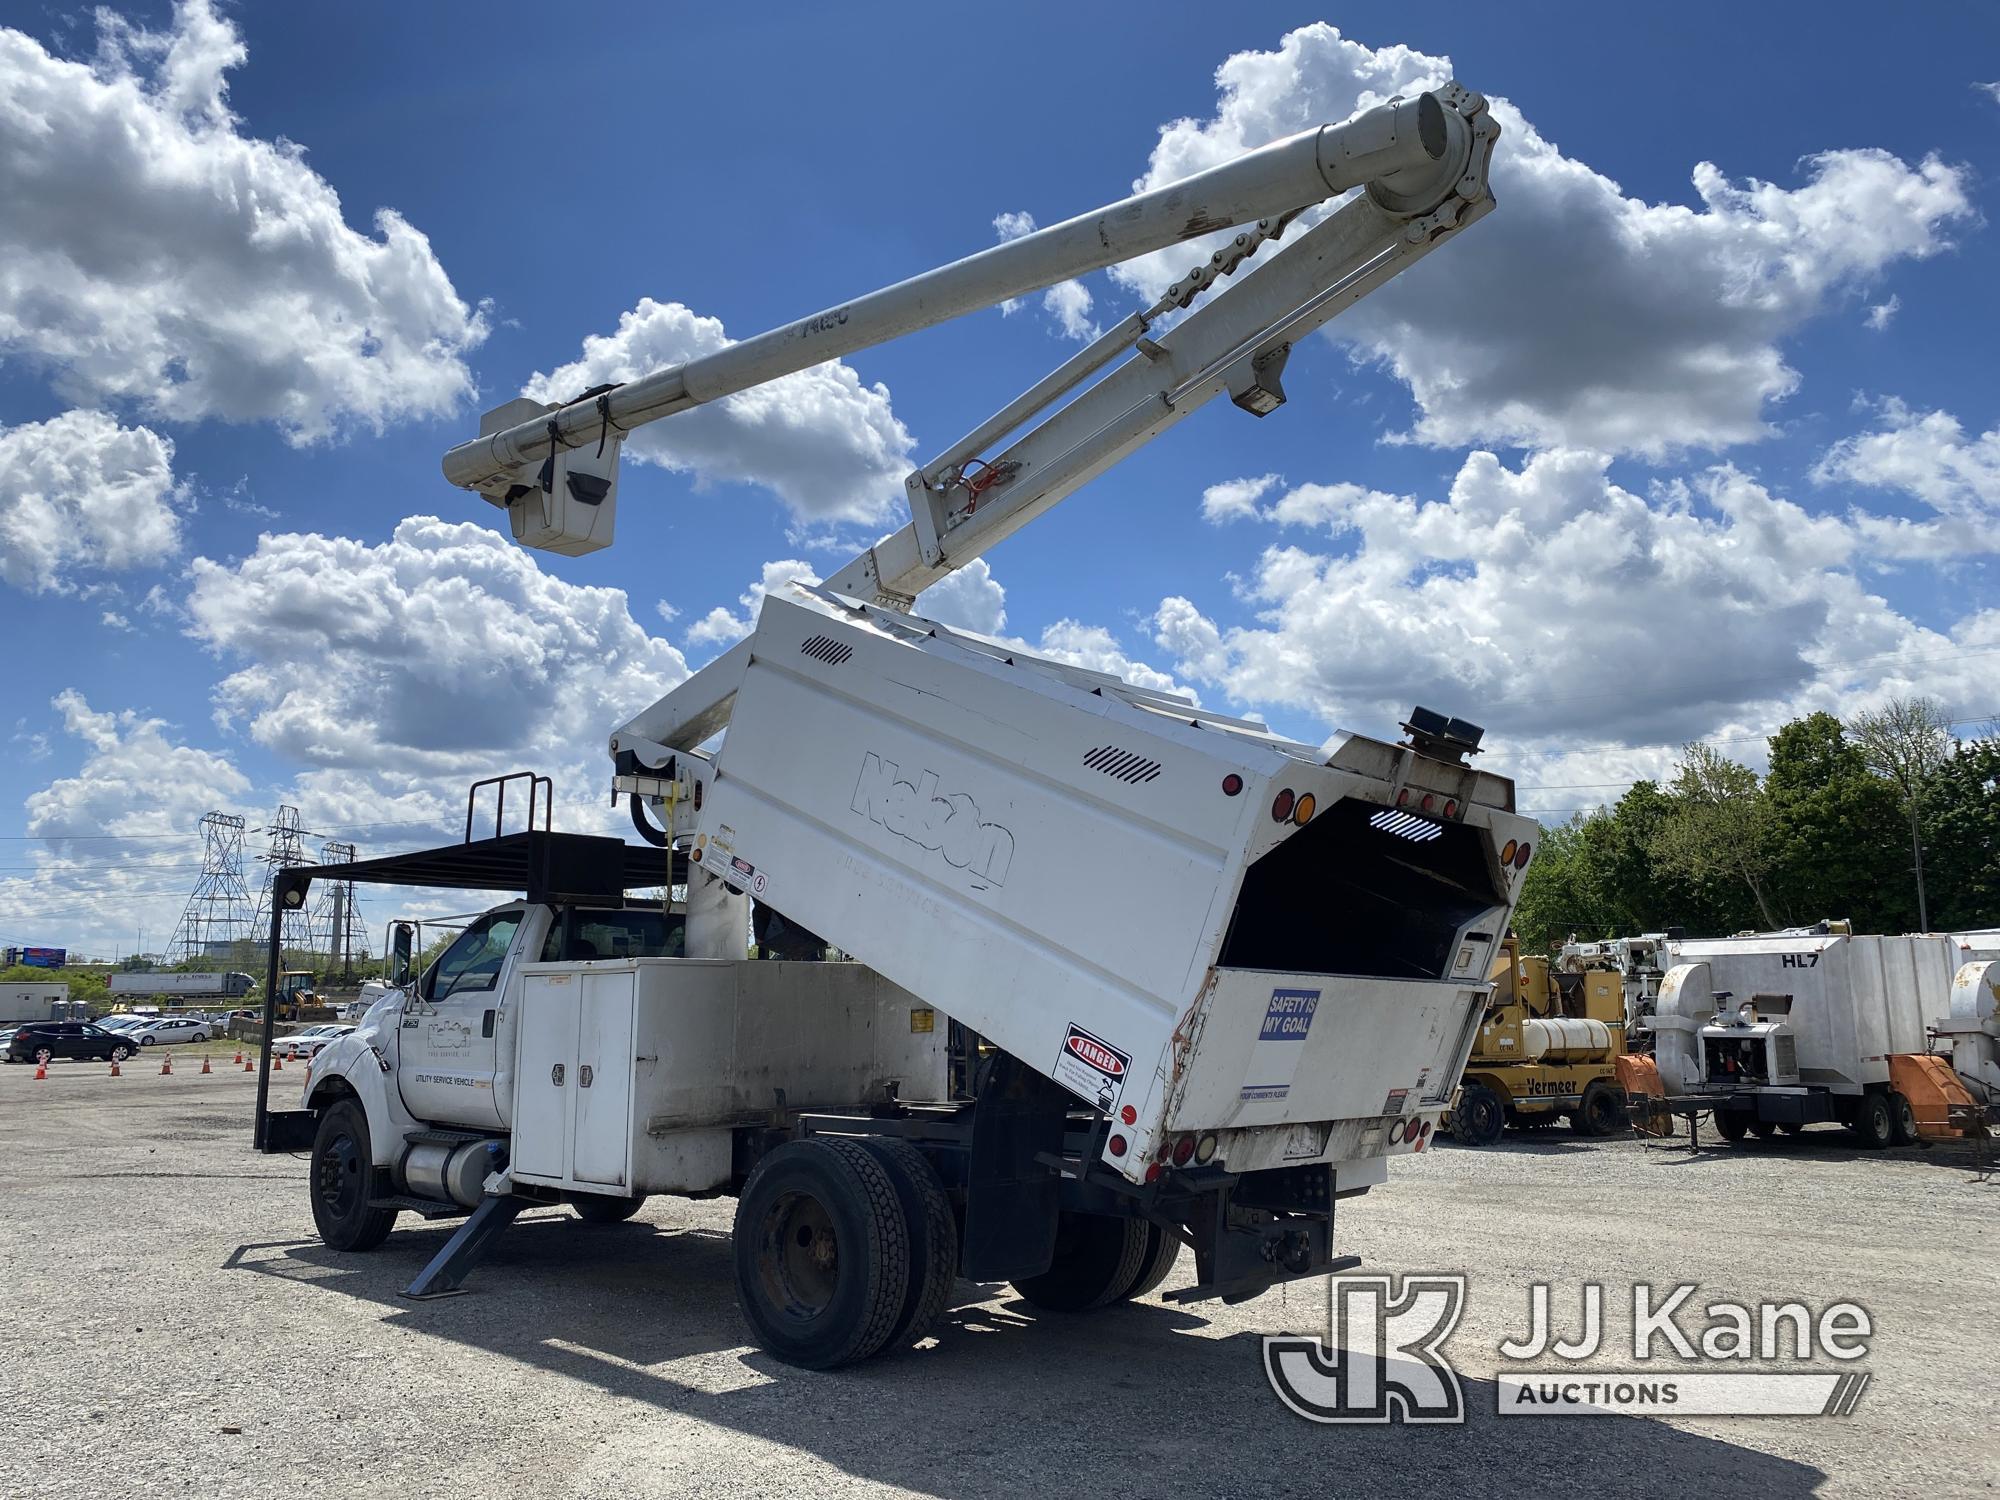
column 1406, row 825
column 825, row 648
column 1122, row 764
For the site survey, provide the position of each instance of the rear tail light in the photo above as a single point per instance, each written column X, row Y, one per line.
column 1281, row 806
column 1450, row 808
column 1183, row 1150
column 1118, row 1145
column 1231, row 784
column 1521, row 856
column 1128, row 1116
column 1427, row 802
column 1155, row 1172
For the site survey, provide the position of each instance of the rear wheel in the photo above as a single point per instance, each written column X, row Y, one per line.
column 1163, row 1248
column 1478, row 1117
column 1791, row 1127
column 822, row 1253
column 1763, row 1129
column 120, row 1052
column 601, row 1208
column 1904, row 1120
column 1874, row 1122
column 933, row 1239
column 1097, row 1257
column 45, row 1055
column 1731, row 1124
column 1602, row 1111
column 344, row 1179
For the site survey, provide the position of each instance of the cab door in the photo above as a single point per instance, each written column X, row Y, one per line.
column 449, row 1041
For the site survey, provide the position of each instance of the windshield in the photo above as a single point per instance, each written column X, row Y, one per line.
column 473, row 961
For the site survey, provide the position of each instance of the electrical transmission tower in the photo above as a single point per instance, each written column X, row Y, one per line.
column 218, row 913
column 287, row 847
column 338, row 931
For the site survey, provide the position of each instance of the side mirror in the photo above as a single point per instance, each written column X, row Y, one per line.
column 402, row 939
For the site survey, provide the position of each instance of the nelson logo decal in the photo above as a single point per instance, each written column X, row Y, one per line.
column 950, row 825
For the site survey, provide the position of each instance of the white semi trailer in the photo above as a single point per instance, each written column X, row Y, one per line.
column 1212, row 979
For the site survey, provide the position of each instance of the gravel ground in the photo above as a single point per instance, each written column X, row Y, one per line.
column 175, row 1328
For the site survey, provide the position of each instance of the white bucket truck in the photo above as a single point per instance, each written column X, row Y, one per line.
column 1207, row 980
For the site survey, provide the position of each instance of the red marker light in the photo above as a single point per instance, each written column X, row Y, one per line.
column 1183, row 1150
column 1128, row 1115
column 1521, row 856
column 1117, row 1144
column 1281, row 805
column 1231, row 784
column 1450, row 808
column 1154, row 1172
column 1426, row 803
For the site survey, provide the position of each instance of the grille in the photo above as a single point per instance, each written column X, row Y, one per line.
column 825, row 648
column 1123, row 765
column 1406, row 826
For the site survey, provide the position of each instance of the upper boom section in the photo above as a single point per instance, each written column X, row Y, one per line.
column 1409, row 153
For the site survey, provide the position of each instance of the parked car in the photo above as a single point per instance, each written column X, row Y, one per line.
column 47, row 1040
column 170, row 1031
column 293, row 1045
column 306, row 1045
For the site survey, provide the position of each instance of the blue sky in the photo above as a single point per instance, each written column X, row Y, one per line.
column 1657, row 452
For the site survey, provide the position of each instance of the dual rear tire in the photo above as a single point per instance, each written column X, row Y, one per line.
column 1100, row 1260
column 843, row 1248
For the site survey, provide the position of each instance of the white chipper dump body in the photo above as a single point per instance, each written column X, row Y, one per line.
column 1222, row 941
column 1201, row 982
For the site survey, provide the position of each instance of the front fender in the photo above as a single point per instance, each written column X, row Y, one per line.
column 353, row 1065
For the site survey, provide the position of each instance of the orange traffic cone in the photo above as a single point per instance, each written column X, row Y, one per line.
column 114, row 1067
column 204, row 1064
column 166, row 1064
column 239, row 1055
column 277, row 1062
column 41, row 1071
column 248, row 1066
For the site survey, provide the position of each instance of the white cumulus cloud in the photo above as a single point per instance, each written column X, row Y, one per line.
column 1577, row 315
column 1068, row 303
column 152, row 253
column 827, row 445
column 1559, row 608
column 80, row 493
column 419, row 663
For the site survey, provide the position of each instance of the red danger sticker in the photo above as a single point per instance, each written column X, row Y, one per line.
column 1095, row 1053
column 1091, row 1068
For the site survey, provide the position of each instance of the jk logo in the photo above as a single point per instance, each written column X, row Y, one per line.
column 1379, row 1361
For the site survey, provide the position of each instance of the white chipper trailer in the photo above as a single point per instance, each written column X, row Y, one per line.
column 1892, row 1037
column 1208, row 980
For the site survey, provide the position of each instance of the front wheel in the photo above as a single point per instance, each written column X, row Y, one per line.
column 120, row 1052
column 146, row 1041
column 601, row 1208
column 344, row 1179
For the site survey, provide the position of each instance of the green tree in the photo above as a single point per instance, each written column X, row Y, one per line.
column 1835, row 827
column 1560, row 894
column 1962, row 836
column 1716, row 831
column 1907, row 741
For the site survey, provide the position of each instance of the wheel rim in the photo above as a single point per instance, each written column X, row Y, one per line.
column 337, row 1175
column 1483, row 1117
column 44, row 1055
column 119, row 1054
column 798, row 1256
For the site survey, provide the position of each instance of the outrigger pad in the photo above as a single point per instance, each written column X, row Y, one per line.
column 444, row 1276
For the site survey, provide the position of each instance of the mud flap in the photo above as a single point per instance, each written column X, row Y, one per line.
column 1011, row 1198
